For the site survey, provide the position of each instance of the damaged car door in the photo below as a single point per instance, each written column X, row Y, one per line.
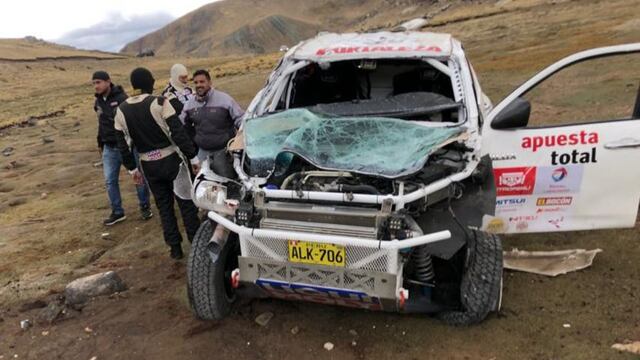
column 566, row 145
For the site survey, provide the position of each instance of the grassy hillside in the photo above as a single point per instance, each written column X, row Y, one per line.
column 30, row 49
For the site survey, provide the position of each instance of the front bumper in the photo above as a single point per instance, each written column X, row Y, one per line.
column 371, row 278
column 394, row 244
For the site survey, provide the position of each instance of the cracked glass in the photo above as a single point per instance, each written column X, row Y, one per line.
column 378, row 146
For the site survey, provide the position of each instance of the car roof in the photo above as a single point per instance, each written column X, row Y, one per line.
column 378, row 45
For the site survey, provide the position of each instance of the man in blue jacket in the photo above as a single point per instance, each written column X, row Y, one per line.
column 108, row 97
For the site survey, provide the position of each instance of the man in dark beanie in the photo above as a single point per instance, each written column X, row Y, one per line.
column 108, row 97
column 151, row 125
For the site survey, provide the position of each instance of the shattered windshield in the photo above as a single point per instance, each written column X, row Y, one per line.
column 377, row 146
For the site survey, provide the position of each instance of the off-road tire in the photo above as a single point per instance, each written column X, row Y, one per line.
column 208, row 284
column 481, row 285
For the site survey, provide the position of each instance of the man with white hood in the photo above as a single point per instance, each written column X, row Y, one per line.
column 177, row 91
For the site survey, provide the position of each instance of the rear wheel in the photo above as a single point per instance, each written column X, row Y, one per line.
column 481, row 285
column 209, row 282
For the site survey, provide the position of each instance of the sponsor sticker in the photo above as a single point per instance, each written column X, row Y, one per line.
column 558, row 179
column 318, row 294
column 511, row 201
column 515, row 180
column 522, row 225
column 535, row 143
column 558, row 142
column 554, row 201
column 551, row 210
column 496, row 225
column 520, row 218
column 556, row 222
column 509, row 204
column 376, row 49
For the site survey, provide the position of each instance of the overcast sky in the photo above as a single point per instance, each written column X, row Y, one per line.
column 105, row 25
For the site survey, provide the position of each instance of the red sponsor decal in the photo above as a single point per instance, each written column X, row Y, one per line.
column 554, row 201
column 515, row 181
column 582, row 138
column 376, row 49
column 522, row 226
column 527, row 218
column 551, row 210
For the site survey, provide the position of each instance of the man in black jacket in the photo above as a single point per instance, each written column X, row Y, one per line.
column 108, row 97
column 211, row 118
column 151, row 125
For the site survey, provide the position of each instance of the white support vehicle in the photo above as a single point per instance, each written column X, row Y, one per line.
column 364, row 180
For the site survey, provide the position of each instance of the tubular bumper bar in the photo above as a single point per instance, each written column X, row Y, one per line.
column 338, row 240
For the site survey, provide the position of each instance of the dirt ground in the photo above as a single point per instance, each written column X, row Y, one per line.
column 52, row 201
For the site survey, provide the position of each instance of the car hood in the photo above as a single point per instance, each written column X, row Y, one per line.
column 376, row 146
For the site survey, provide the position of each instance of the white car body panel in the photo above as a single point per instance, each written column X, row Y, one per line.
column 597, row 188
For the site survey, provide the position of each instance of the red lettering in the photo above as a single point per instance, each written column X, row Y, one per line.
column 583, row 135
column 537, row 143
column 562, row 140
column 367, row 49
column 573, row 139
column 582, row 138
column 550, row 141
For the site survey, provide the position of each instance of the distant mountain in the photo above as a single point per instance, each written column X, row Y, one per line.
column 259, row 26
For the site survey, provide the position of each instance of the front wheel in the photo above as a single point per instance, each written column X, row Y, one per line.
column 481, row 285
column 209, row 282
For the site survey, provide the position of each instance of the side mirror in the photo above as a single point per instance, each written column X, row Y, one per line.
column 515, row 115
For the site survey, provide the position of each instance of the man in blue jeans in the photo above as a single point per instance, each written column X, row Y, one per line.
column 108, row 97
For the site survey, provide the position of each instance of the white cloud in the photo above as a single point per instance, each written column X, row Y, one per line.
column 114, row 33
column 51, row 20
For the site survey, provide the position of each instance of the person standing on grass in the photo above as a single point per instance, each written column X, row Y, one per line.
column 178, row 91
column 211, row 118
column 108, row 98
column 151, row 125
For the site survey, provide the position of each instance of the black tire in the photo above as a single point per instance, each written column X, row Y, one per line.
column 481, row 285
column 208, row 283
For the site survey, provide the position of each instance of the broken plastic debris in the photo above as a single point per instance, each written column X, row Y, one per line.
column 633, row 347
column 549, row 263
column 264, row 318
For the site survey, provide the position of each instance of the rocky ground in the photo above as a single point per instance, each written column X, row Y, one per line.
column 52, row 201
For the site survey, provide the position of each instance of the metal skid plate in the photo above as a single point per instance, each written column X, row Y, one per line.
column 325, row 284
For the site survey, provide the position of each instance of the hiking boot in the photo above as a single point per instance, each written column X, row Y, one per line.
column 176, row 252
column 113, row 219
column 145, row 213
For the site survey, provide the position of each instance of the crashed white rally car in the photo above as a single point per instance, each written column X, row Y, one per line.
column 364, row 179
